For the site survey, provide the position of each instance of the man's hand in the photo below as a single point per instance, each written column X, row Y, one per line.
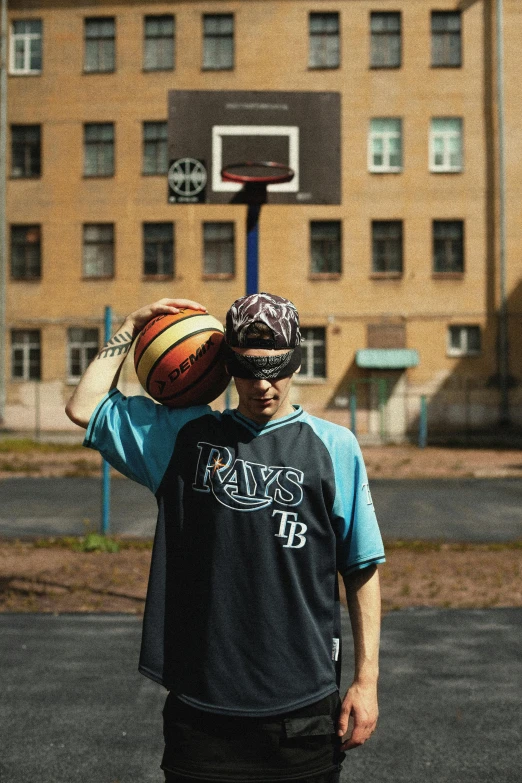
column 140, row 317
column 359, row 704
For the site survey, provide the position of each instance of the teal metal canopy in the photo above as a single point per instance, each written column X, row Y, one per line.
column 386, row 358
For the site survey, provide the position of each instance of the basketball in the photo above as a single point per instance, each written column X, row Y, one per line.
column 178, row 359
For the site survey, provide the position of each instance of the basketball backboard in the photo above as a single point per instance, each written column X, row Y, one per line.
column 211, row 129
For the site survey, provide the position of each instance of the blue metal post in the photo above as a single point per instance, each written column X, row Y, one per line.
column 423, row 422
column 106, row 476
column 252, row 249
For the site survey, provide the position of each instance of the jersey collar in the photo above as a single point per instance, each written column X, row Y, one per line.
column 270, row 426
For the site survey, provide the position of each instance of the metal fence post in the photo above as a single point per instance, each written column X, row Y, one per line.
column 106, row 476
column 423, row 422
column 353, row 411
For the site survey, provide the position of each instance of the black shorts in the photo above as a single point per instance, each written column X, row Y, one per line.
column 300, row 745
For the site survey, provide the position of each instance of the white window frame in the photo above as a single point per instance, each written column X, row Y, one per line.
column 447, row 136
column 83, row 347
column 308, row 346
column 385, row 136
column 463, row 349
column 26, row 346
column 26, row 38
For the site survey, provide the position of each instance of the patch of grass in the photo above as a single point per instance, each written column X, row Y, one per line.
column 450, row 546
column 19, row 467
column 23, row 445
column 96, row 542
column 76, row 542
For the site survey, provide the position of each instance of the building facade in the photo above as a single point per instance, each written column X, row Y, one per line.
column 398, row 287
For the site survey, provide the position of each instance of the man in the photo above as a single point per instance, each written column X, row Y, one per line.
column 259, row 508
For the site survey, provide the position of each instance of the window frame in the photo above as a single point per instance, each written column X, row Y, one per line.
column 83, row 348
column 171, row 37
column 463, row 350
column 26, row 347
column 390, row 34
column 326, row 37
column 387, row 273
column 447, row 34
column 335, row 244
column 13, row 242
column 27, row 146
column 212, row 36
column 159, row 141
column 385, row 136
column 448, row 273
column 99, row 38
column 147, row 241
column 446, row 167
column 27, row 38
column 100, row 144
column 307, row 348
column 219, row 275
column 99, row 243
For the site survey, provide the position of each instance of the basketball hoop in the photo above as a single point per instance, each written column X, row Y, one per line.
column 260, row 173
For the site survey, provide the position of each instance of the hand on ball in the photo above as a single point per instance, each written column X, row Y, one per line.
column 162, row 307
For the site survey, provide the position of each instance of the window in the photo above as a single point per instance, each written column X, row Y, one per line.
column 98, row 250
column 446, row 144
column 158, row 249
column 448, row 246
column 25, row 151
column 158, row 53
column 387, row 247
column 463, row 340
column 324, row 41
column 218, row 249
column 25, row 252
column 325, row 246
column 446, row 42
column 26, row 47
column 82, row 347
column 385, row 145
column 313, row 351
column 218, row 41
column 385, row 40
column 100, row 45
column 98, row 150
column 25, row 354
column 155, row 154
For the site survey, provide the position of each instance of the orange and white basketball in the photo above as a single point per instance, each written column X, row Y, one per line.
column 178, row 359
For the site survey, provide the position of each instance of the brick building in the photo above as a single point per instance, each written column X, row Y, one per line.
column 398, row 287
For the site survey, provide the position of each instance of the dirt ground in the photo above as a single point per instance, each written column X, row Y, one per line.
column 26, row 458
column 50, row 576
column 47, row 576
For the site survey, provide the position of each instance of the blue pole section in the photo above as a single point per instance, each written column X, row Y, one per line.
column 423, row 422
column 252, row 249
column 106, row 476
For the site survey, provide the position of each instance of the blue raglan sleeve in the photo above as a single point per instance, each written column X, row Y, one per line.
column 359, row 542
column 136, row 436
column 359, row 538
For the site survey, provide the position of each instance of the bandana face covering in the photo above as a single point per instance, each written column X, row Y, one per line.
column 264, row 367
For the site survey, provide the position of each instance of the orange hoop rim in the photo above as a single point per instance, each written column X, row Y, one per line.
column 279, row 173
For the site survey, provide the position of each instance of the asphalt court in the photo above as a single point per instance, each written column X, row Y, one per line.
column 442, row 509
column 75, row 710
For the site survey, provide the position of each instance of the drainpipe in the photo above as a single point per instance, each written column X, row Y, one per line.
column 3, row 155
column 503, row 336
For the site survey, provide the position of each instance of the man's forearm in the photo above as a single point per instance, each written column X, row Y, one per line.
column 102, row 375
column 364, row 605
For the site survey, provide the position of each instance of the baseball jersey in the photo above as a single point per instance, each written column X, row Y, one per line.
column 254, row 522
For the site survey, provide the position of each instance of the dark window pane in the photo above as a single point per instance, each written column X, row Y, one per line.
column 99, row 149
column 324, row 41
column 448, row 246
column 446, row 42
column 159, row 43
column 385, row 40
column 218, row 41
column 100, row 48
column 155, row 152
column 98, row 250
column 25, row 252
column 387, row 246
column 158, row 248
column 325, row 238
column 25, row 151
column 218, row 248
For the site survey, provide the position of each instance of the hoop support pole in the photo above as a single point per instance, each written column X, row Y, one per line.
column 252, row 249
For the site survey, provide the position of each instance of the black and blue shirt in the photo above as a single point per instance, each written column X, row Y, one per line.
column 254, row 522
